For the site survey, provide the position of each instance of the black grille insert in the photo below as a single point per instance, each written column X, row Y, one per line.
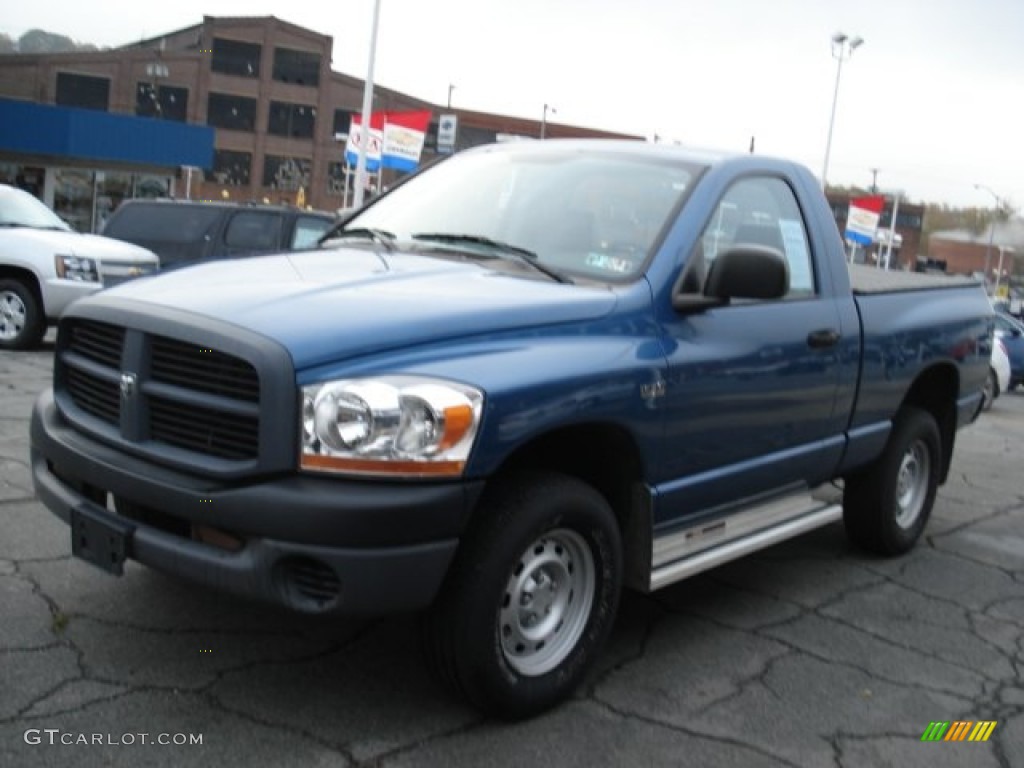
column 94, row 395
column 206, row 370
column 204, row 430
column 97, row 341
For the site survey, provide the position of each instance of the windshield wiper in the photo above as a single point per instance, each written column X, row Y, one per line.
column 26, row 225
column 379, row 236
column 521, row 255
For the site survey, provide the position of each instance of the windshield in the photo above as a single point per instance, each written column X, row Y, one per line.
column 20, row 209
column 586, row 212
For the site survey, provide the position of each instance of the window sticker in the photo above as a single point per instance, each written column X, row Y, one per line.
column 795, row 243
column 609, row 263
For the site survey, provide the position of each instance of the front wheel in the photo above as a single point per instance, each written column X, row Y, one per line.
column 886, row 507
column 531, row 596
column 22, row 324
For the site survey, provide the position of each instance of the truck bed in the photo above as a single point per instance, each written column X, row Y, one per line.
column 866, row 280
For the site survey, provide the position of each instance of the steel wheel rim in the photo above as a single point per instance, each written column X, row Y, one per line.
column 988, row 392
column 912, row 483
column 12, row 315
column 547, row 601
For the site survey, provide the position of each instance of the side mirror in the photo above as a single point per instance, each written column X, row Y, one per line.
column 744, row 272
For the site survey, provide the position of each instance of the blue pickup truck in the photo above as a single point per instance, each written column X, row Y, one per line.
column 529, row 376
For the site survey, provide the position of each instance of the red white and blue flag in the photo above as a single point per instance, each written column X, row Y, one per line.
column 395, row 140
column 375, row 141
column 862, row 220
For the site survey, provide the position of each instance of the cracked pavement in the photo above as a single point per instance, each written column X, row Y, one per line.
column 806, row 654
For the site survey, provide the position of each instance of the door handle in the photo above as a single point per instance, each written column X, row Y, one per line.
column 827, row 337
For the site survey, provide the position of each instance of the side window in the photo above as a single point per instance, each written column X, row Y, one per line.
column 254, row 231
column 758, row 211
column 308, row 230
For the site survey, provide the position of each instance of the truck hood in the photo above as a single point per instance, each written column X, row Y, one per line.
column 325, row 306
column 52, row 242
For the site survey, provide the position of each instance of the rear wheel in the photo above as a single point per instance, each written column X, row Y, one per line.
column 886, row 507
column 990, row 391
column 22, row 324
column 531, row 596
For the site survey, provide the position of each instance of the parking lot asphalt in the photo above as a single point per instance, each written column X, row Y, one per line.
column 807, row 654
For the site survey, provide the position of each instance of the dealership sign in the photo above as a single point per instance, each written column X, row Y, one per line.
column 862, row 220
column 395, row 140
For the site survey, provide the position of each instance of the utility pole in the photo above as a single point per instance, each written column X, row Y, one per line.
column 991, row 229
column 544, row 119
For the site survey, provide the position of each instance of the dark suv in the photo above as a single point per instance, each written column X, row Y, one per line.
column 183, row 232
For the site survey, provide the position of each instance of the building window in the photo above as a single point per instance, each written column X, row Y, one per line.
column 152, row 187
column 430, row 138
column 83, row 91
column 342, row 121
column 233, row 57
column 336, row 179
column 234, row 113
column 166, row 102
column 474, row 137
column 230, row 168
column 903, row 220
column 73, row 197
column 299, row 67
column 286, row 173
column 296, row 120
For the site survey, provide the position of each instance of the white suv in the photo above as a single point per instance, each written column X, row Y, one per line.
column 45, row 265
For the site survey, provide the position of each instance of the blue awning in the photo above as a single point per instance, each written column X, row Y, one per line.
column 86, row 134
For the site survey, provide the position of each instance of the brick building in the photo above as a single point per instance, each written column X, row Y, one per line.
column 265, row 86
column 968, row 253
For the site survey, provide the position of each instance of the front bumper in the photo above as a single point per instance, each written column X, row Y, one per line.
column 312, row 544
column 59, row 293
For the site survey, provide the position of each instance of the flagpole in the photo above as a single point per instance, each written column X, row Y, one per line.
column 365, row 128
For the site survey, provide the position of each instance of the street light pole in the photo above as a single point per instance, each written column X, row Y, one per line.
column 364, row 132
column 842, row 49
column 450, row 89
column 544, row 119
column 991, row 229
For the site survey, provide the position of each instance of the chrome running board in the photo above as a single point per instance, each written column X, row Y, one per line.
column 684, row 553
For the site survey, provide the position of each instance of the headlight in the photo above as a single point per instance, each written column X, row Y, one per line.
column 389, row 425
column 76, row 268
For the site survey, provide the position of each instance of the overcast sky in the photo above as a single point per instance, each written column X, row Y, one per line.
column 934, row 99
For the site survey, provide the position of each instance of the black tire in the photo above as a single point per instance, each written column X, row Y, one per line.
column 990, row 391
column 530, row 598
column 22, row 324
column 886, row 507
